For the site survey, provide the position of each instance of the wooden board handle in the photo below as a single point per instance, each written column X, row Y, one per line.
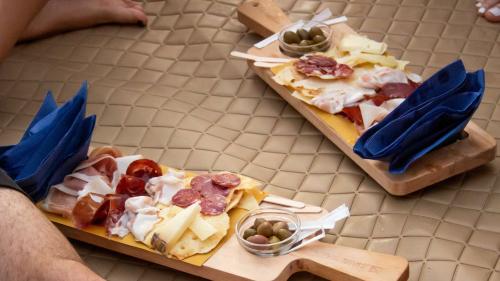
column 342, row 263
column 262, row 16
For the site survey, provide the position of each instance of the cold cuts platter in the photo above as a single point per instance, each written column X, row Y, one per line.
column 186, row 221
column 382, row 83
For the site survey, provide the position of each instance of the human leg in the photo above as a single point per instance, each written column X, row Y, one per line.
column 64, row 15
column 31, row 248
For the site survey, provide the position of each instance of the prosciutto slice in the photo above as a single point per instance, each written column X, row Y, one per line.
column 379, row 76
column 59, row 202
column 100, row 209
column 102, row 164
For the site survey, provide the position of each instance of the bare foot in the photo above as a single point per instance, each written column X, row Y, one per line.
column 64, row 15
column 485, row 5
column 493, row 14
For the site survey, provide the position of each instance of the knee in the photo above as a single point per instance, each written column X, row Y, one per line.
column 67, row 269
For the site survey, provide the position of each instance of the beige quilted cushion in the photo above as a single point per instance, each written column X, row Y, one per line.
column 171, row 92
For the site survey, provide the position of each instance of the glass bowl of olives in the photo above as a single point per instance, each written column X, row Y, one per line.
column 268, row 231
column 295, row 42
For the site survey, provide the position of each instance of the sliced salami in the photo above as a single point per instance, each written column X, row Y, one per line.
column 199, row 181
column 316, row 65
column 213, row 205
column 144, row 169
column 185, row 197
column 226, row 180
column 210, row 189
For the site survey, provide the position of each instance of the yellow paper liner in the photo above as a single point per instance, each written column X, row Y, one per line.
column 197, row 260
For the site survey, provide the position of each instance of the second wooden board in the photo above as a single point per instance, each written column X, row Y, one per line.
column 477, row 149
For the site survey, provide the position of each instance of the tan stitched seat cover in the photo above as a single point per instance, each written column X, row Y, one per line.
column 171, row 92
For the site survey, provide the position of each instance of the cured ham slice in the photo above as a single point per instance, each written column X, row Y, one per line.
column 109, row 150
column 103, row 164
column 371, row 114
column 99, row 209
column 335, row 100
column 163, row 188
column 379, row 76
column 139, row 218
column 58, row 202
column 95, row 185
column 322, row 67
column 86, row 209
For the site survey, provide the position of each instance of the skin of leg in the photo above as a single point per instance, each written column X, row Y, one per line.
column 31, row 247
column 15, row 16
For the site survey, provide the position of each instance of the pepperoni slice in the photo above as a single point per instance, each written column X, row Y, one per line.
column 226, row 180
column 130, row 185
column 185, row 197
column 213, row 205
column 144, row 169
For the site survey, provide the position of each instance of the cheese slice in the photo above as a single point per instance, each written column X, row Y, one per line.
column 202, row 228
column 248, row 202
column 170, row 231
column 356, row 43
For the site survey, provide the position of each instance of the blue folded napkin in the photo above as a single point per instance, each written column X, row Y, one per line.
column 55, row 142
column 434, row 114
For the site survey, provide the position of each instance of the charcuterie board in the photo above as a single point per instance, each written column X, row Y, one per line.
column 478, row 148
column 232, row 262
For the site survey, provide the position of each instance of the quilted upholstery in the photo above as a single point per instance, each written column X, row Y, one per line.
column 171, row 92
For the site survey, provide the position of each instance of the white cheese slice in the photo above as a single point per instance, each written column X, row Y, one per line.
column 202, row 228
column 171, row 230
column 357, row 43
column 248, row 202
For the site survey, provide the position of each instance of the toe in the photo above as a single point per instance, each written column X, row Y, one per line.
column 493, row 14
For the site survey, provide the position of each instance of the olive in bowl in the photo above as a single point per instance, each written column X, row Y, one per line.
column 267, row 231
column 298, row 42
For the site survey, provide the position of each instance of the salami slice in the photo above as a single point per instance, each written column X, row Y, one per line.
column 199, row 181
column 185, row 197
column 144, row 169
column 130, row 185
column 316, row 65
column 213, row 205
column 226, row 180
column 210, row 189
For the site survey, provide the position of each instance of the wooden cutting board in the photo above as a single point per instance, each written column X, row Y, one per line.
column 232, row 262
column 479, row 148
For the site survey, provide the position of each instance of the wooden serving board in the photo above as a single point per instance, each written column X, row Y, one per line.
column 232, row 262
column 479, row 148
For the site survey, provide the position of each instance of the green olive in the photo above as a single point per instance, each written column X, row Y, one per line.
column 265, row 229
column 249, row 232
column 274, row 239
column 279, row 225
column 283, row 234
column 319, row 38
column 291, row 37
column 315, row 31
column 258, row 239
column 304, row 35
column 257, row 222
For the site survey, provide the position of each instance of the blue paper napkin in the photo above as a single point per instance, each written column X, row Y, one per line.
column 434, row 114
column 55, row 142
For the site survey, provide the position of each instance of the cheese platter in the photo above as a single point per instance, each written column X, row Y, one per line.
column 291, row 78
column 204, row 224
